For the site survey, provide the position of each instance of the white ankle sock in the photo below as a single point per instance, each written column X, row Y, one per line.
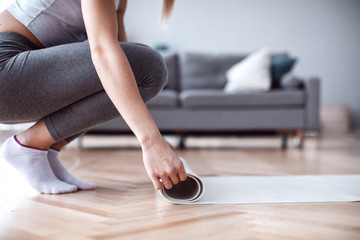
column 34, row 166
column 63, row 174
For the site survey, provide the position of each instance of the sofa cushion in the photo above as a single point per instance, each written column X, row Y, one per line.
column 165, row 99
column 251, row 74
column 280, row 66
column 213, row 98
column 172, row 64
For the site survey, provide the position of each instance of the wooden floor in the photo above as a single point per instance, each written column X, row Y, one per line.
column 125, row 206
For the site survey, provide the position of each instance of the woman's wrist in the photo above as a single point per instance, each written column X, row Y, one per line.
column 150, row 139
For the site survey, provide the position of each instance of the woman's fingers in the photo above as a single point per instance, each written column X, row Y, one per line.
column 174, row 179
column 157, row 183
column 175, row 175
column 180, row 170
column 182, row 174
column 166, row 181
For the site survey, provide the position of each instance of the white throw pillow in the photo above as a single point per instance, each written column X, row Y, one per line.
column 252, row 74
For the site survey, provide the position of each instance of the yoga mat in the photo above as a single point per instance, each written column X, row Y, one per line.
column 263, row 189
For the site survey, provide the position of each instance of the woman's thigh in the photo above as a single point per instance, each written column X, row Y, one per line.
column 39, row 82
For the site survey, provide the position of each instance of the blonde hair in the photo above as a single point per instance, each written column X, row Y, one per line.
column 168, row 6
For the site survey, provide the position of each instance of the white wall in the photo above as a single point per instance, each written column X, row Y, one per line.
column 323, row 34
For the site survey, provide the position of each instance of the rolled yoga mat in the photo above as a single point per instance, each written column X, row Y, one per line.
column 263, row 189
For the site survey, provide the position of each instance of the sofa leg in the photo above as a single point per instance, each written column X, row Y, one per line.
column 298, row 139
column 284, row 141
column 182, row 142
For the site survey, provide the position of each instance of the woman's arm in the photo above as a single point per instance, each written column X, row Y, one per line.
column 120, row 17
column 118, row 80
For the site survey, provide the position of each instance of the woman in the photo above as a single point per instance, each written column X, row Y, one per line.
column 50, row 75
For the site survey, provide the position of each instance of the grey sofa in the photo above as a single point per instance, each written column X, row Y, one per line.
column 193, row 102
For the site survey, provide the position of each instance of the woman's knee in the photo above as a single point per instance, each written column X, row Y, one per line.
column 148, row 66
column 158, row 70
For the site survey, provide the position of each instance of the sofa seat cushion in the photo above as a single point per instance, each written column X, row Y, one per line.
column 165, row 99
column 214, row 98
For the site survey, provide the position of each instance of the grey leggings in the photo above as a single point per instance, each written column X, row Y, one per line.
column 60, row 84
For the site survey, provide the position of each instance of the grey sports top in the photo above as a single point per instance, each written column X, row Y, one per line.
column 53, row 22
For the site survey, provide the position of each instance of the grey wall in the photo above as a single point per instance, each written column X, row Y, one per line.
column 323, row 34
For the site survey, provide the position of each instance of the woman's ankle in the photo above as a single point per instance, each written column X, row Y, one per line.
column 37, row 136
column 29, row 142
column 27, row 145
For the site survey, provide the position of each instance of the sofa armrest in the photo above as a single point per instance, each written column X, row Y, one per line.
column 312, row 103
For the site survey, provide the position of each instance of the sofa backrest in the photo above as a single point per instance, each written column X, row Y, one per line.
column 205, row 70
column 172, row 64
column 191, row 70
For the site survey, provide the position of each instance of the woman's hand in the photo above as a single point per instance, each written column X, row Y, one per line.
column 162, row 164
